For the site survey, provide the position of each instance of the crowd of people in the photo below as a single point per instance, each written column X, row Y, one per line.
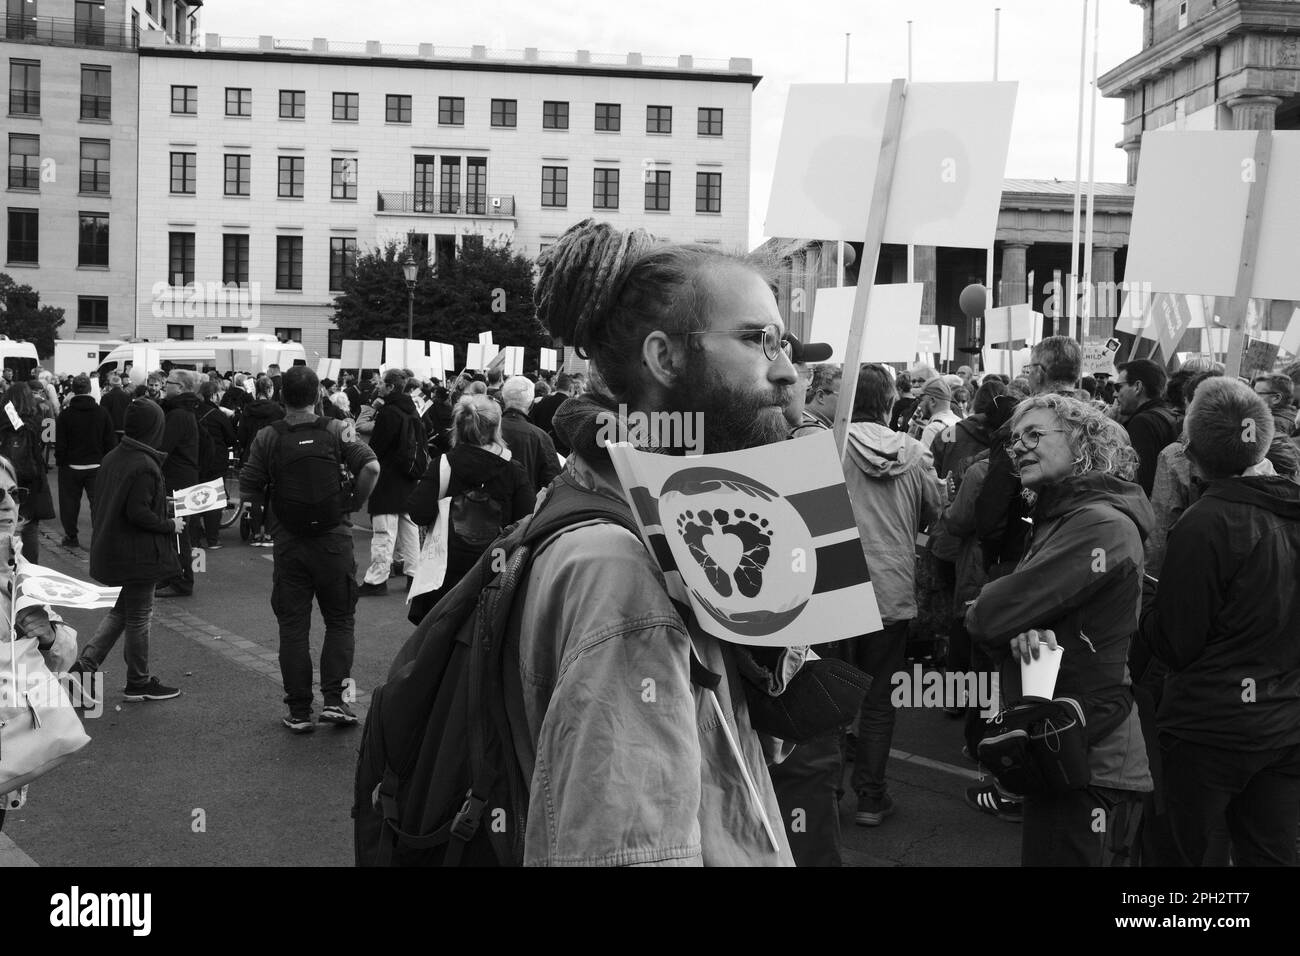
column 1145, row 526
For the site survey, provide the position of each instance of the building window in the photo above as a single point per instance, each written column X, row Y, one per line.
column 343, row 178
column 710, row 123
column 555, row 114
column 183, row 172
column 24, row 236
column 609, row 117
column 92, row 240
column 25, row 87
column 334, row 343
column 347, row 106
column 555, row 185
column 708, row 192
column 451, row 111
column 180, row 258
column 293, row 104
column 88, row 26
column 239, row 101
column 239, row 174
column 233, row 329
column 658, row 119
column 92, row 313
column 185, row 99
column 656, row 190
column 288, row 262
column 289, row 335
column 94, row 165
column 24, row 161
column 449, row 184
column 476, row 185
column 505, row 113
column 292, row 173
column 180, row 333
column 397, row 108
column 343, row 261
column 96, row 92
column 606, row 189
column 1182, row 14
column 234, row 259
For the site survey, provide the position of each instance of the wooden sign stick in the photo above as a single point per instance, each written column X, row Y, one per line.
column 870, row 259
column 1249, row 254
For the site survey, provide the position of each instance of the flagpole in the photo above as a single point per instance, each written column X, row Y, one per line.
column 1089, row 291
column 1078, row 174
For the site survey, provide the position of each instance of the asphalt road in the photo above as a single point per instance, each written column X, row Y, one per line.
column 211, row 778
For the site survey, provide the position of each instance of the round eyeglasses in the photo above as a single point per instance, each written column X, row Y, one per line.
column 774, row 343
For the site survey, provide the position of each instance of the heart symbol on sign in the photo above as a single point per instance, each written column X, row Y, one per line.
column 724, row 549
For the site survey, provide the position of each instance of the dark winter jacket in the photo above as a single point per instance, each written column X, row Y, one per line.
column 114, row 401
column 133, row 538
column 84, row 433
column 1081, row 577
column 1150, row 430
column 1226, row 617
column 531, row 447
column 543, row 411
column 222, row 434
column 180, row 441
column 954, row 450
column 393, row 487
column 257, row 415
column 39, row 505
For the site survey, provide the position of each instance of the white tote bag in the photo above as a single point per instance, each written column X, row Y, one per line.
column 39, row 729
column 432, row 569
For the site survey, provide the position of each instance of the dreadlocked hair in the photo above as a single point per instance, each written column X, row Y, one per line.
column 601, row 292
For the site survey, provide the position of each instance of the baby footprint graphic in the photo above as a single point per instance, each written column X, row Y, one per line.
column 693, row 529
column 755, row 538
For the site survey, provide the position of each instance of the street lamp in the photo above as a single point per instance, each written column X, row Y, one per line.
column 409, row 269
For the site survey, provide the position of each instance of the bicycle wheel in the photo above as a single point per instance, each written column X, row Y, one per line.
column 230, row 514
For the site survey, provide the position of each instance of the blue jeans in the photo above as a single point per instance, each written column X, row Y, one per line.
column 130, row 615
column 880, row 655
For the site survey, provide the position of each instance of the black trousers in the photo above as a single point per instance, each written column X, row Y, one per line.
column 72, row 482
column 1093, row 827
column 806, row 785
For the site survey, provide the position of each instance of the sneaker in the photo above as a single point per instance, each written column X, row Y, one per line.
column 84, row 694
column 70, row 542
column 873, row 810
column 987, row 800
column 263, row 541
column 298, row 723
column 213, row 545
column 373, row 590
column 154, row 690
column 340, row 715
column 171, row 590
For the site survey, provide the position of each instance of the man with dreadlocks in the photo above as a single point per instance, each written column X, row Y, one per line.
column 622, row 775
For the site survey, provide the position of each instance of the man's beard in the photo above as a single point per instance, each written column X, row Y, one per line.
column 733, row 418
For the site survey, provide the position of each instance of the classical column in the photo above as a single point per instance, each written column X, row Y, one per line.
column 926, row 270
column 1254, row 111
column 1013, row 290
column 1133, row 148
column 1105, row 299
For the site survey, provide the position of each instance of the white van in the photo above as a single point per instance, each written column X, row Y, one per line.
column 227, row 352
column 19, row 356
column 74, row 356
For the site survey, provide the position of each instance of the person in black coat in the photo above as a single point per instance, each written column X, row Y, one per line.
column 531, row 446
column 83, row 435
column 1151, row 422
column 220, row 431
column 479, row 460
column 132, row 548
column 29, row 465
column 114, row 400
column 388, row 520
column 182, row 445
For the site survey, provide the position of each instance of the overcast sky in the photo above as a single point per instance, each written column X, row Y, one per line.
column 789, row 42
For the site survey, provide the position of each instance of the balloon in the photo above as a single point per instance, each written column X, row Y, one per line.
column 972, row 300
column 138, row 376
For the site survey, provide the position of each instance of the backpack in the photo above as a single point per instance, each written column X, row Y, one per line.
column 310, row 485
column 413, row 460
column 476, row 517
column 19, row 445
column 438, row 779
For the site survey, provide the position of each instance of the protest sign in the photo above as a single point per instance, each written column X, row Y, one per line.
column 371, row 354
column 351, row 353
column 1260, row 357
column 1290, row 342
column 1011, row 326
column 547, row 360
column 764, row 554
column 1100, row 357
column 41, row 585
column 198, row 499
column 893, row 321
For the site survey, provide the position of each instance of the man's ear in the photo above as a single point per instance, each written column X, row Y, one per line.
column 662, row 358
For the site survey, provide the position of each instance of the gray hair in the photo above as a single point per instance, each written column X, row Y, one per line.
column 1099, row 443
column 518, row 392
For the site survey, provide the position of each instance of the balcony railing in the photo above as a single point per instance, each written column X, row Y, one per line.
column 447, row 204
column 61, row 31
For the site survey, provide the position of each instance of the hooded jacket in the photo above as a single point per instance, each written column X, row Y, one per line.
column 133, row 538
column 180, row 441
column 1080, row 577
column 632, row 764
column 1226, row 617
column 84, row 433
column 114, row 401
column 895, row 493
column 256, row 416
column 954, row 450
column 393, row 487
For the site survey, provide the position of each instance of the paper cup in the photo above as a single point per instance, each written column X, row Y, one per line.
column 1038, row 677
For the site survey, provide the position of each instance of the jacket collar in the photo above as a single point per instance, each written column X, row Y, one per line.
column 154, row 453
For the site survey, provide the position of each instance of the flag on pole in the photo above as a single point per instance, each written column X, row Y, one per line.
column 200, row 498
column 42, row 585
column 762, row 553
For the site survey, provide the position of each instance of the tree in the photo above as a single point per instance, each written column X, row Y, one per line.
column 488, row 286
column 23, row 317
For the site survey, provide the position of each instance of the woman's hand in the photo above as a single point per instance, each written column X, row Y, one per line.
column 1026, row 646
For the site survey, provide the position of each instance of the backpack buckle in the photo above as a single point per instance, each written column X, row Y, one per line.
column 465, row 823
